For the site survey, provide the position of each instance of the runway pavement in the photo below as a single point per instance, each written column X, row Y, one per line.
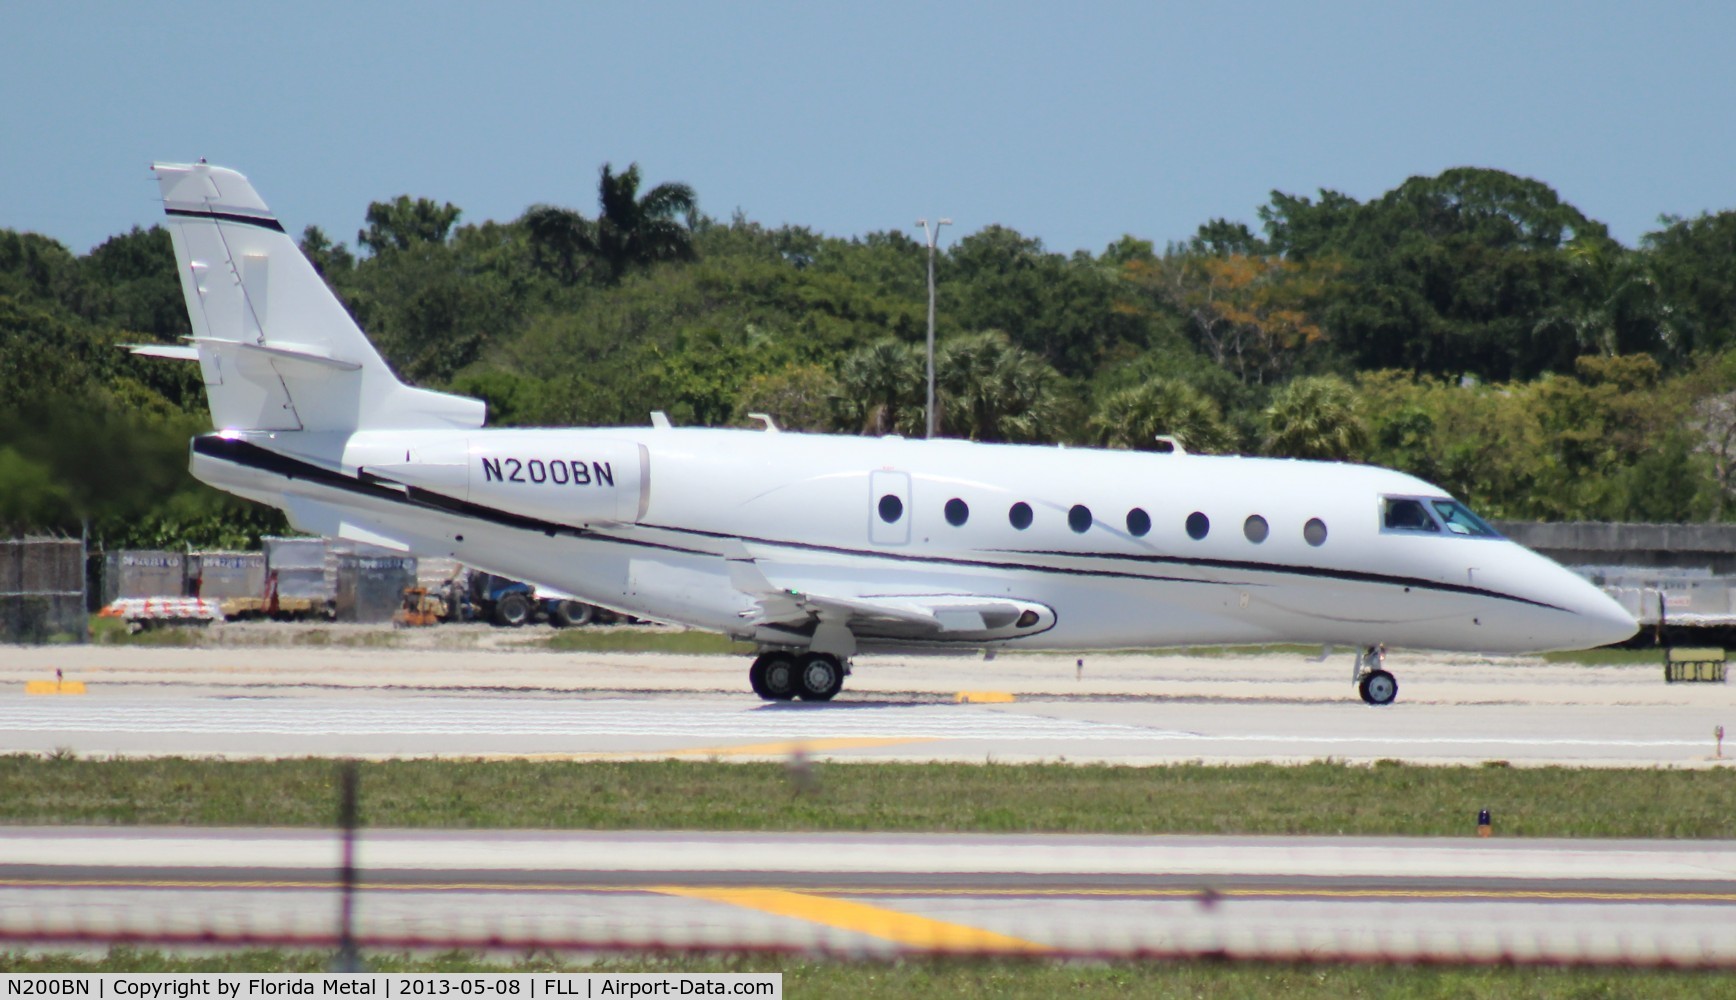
column 1124, row 709
column 394, row 724
column 888, row 893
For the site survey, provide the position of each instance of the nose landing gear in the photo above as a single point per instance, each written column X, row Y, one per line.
column 779, row 676
column 1373, row 682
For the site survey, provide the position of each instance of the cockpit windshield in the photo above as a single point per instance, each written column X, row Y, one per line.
column 1406, row 514
column 1460, row 521
column 1433, row 515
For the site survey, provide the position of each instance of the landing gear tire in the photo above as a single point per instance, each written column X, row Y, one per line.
column 820, row 677
column 1378, row 687
column 512, row 610
column 773, row 676
column 570, row 614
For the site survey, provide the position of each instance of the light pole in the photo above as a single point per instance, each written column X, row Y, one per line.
column 932, row 238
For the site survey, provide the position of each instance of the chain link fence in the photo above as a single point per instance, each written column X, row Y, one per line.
column 42, row 590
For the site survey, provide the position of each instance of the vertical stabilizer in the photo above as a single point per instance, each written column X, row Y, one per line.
column 277, row 349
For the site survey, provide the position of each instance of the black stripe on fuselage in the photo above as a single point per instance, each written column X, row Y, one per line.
column 1319, row 572
column 940, row 560
column 253, row 456
column 1350, row 575
column 262, row 221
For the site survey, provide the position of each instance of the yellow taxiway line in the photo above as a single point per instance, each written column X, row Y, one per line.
column 924, row 933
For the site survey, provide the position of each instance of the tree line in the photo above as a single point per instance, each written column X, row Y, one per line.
column 1472, row 328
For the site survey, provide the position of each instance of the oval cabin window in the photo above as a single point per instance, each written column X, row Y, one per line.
column 1138, row 522
column 1198, row 526
column 1079, row 518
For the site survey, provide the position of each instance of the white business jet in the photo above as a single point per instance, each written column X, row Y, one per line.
column 817, row 547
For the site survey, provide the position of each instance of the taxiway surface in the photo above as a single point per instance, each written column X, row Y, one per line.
column 886, row 893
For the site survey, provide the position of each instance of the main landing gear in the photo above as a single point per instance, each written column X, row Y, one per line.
column 780, row 676
column 1376, row 686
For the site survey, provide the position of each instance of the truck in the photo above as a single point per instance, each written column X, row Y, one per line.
column 512, row 603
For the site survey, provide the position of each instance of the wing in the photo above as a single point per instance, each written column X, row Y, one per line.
column 961, row 618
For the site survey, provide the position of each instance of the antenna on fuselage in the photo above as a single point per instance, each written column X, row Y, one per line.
column 1169, row 444
column 660, row 420
column 766, row 419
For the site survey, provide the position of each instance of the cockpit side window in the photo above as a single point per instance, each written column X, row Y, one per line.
column 1406, row 514
column 1460, row 521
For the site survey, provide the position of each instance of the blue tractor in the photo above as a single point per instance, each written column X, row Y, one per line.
column 512, row 603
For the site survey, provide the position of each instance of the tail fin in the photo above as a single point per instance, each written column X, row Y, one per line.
column 277, row 348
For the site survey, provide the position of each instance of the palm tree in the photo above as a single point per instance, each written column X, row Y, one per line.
column 991, row 390
column 561, row 241
column 1316, row 417
column 629, row 231
column 1135, row 416
column 634, row 231
column 881, row 386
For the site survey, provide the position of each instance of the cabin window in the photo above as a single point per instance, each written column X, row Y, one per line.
column 1406, row 514
column 1079, row 518
column 1256, row 528
column 891, row 508
column 1314, row 532
column 1138, row 522
column 1019, row 515
column 1460, row 521
column 1198, row 525
column 957, row 512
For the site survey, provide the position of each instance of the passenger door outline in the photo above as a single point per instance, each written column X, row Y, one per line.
column 882, row 483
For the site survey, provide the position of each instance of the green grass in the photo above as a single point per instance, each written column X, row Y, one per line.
column 114, row 632
column 808, row 979
column 627, row 639
column 1322, row 798
column 1208, row 652
column 1610, row 657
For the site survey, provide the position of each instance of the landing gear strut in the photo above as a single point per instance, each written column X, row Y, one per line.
column 779, row 676
column 1373, row 682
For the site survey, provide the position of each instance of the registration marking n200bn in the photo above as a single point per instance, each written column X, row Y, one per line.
column 559, row 471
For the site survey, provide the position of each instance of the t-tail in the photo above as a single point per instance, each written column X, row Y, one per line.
column 277, row 350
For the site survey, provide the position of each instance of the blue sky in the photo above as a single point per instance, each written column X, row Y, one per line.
column 1074, row 122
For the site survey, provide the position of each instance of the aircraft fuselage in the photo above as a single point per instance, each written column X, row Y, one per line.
column 648, row 521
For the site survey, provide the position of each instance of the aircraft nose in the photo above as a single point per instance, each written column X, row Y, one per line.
column 1606, row 622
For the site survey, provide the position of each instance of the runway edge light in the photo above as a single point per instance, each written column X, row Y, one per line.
column 1484, row 828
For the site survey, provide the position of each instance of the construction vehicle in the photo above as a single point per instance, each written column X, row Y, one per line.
column 420, row 609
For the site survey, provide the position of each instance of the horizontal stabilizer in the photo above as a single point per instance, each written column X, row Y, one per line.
column 174, row 352
column 313, row 356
